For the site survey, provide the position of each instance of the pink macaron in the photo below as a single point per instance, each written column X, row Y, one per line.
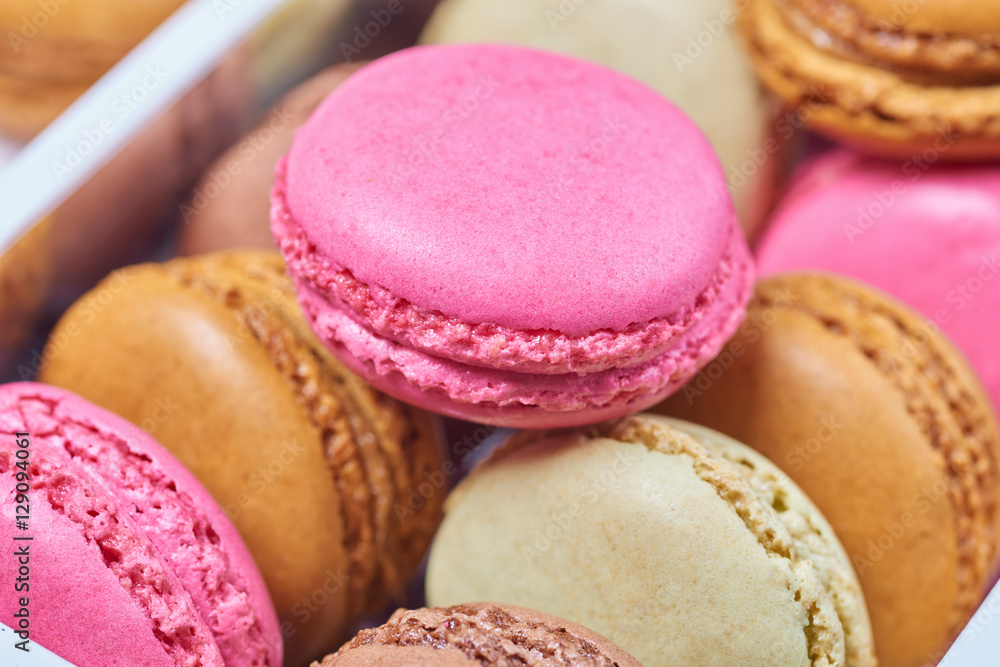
column 510, row 236
column 124, row 558
column 927, row 234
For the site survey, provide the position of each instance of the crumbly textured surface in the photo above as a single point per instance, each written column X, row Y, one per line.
column 116, row 499
column 488, row 635
column 51, row 61
column 681, row 534
column 600, row 214
column 648, row 40
column 881, row 421
column 239, row 216
column 856, row 89
column 301, row 447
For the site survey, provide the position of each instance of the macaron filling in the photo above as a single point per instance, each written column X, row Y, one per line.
column 487, row 344
column 917, row 59
column 841, row 26
column 570, row 391
column 154, row 537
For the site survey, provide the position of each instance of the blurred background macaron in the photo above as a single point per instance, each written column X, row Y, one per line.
column 483, row 634
column 890, row 78
column 495, row 254
column 336, row 488
column 928, row 234
column 25, row 278
column 128, row 558
column 879, row 418
column 660, row 535
column 57, row 49
column 687, row 51
column 230, row 205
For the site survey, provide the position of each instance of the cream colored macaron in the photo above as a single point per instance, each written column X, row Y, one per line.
column 688, row 51
column 677, row 543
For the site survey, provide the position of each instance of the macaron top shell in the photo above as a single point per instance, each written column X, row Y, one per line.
column 480, row 634
column 526, row 175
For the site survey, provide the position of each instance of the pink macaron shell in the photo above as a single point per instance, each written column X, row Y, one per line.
column 81, row 613
column 74, row 526
column 525, row 400
column 927, row 234
column 172, row 510
column 528, row 190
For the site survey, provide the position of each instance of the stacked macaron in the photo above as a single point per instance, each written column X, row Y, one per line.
column 523, row 239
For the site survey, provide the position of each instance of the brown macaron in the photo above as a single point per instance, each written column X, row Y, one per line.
column 25, row 275
column 890, row 78
column 230, row 206
column 880, row 420
column 478, row 634
column 57, row 49
column 212, row 356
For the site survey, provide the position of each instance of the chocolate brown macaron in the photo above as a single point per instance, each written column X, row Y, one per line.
column 478, row 634
column 316, row 469
column 888, row 77
column 231, row 204
column 878, row 417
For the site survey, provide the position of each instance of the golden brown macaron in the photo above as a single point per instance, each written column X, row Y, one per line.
column 25, row 274
column 328, row 481
column 881, row 421
column 482, row 634
column 230, row 206
column 58, row 48
column 890, row 78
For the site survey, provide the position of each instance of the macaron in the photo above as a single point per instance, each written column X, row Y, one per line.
column 497, row 254
column 25, row 276
column 688, row 51
column 889, row 78
column 928, row 234
column 230, row 206
column 882, row 422
column 485, row 634
column 336, row 488
column 675, row 542
column 124, row 557
column 57, row 49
